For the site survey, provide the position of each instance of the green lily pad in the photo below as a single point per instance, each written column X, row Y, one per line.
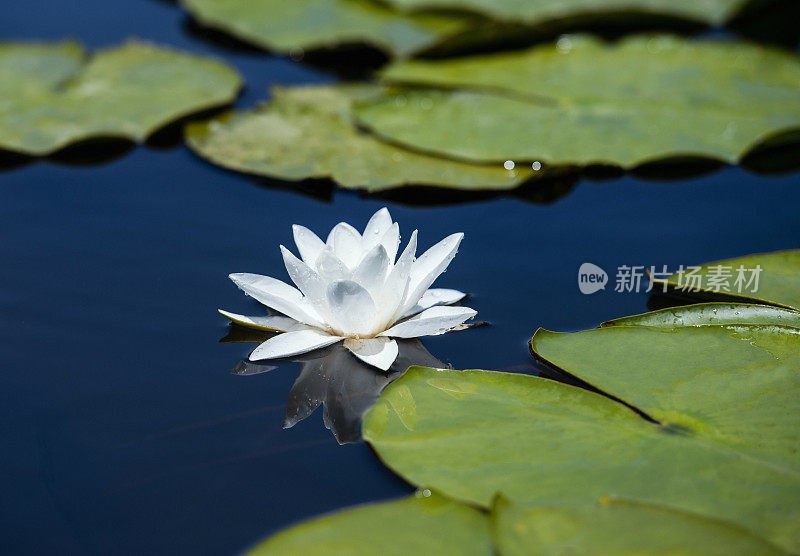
column 569, row 103
column 711, row 313
column 721, row 441
column 416, row 525
column 617, row 527
column 300, row 25
column 778, row 280
column 669, row 372
column 52, row 97
column 537, row 12
column 306, row 132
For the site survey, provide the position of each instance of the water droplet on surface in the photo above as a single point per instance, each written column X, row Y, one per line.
column 564, row 45
column 536, row 165
column 508, row 164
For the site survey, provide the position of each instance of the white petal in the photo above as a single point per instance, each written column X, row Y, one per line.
column 277, row 295
column 352, row 308
column 406, row 260
column 431, row 322
column 304, row 277
column 391, row 241
column 434, row 297
column 293, row 343
column 330, row 267
column 395, row 287
column 308, row 244
column 310, row 283
column 346, row 244
column 377, row 226
column 341, row 226
column 272, row 323
column 428, row 267
column 371, row 272
column 378, row 352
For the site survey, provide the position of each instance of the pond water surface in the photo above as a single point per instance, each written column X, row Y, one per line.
column 123, row 428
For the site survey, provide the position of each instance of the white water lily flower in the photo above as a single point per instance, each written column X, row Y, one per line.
column 351, row 289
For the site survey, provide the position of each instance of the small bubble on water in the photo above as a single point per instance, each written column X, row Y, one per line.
column 509, row 164
column 536, row 165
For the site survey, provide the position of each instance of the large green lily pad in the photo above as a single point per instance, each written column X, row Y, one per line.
column 51, row 96
column 306, row 132
column 297, row 25
column 423, row 524
column 617, row 527
column 571, row 103
column 721, row 441
column 778, row 279
column 537, row 12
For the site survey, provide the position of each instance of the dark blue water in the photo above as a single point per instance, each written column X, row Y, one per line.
column 122, row 428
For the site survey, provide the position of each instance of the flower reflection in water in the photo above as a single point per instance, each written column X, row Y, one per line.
column 344, row 385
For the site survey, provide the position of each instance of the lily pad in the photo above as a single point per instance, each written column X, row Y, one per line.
column 617, row 527
column 51, row 96
column 778, row 280
column 306, row 132
column 711, row 313
column 424, row 524
column 569, row 103
column 300, row 25
column 537, row 12
column 720, row 439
